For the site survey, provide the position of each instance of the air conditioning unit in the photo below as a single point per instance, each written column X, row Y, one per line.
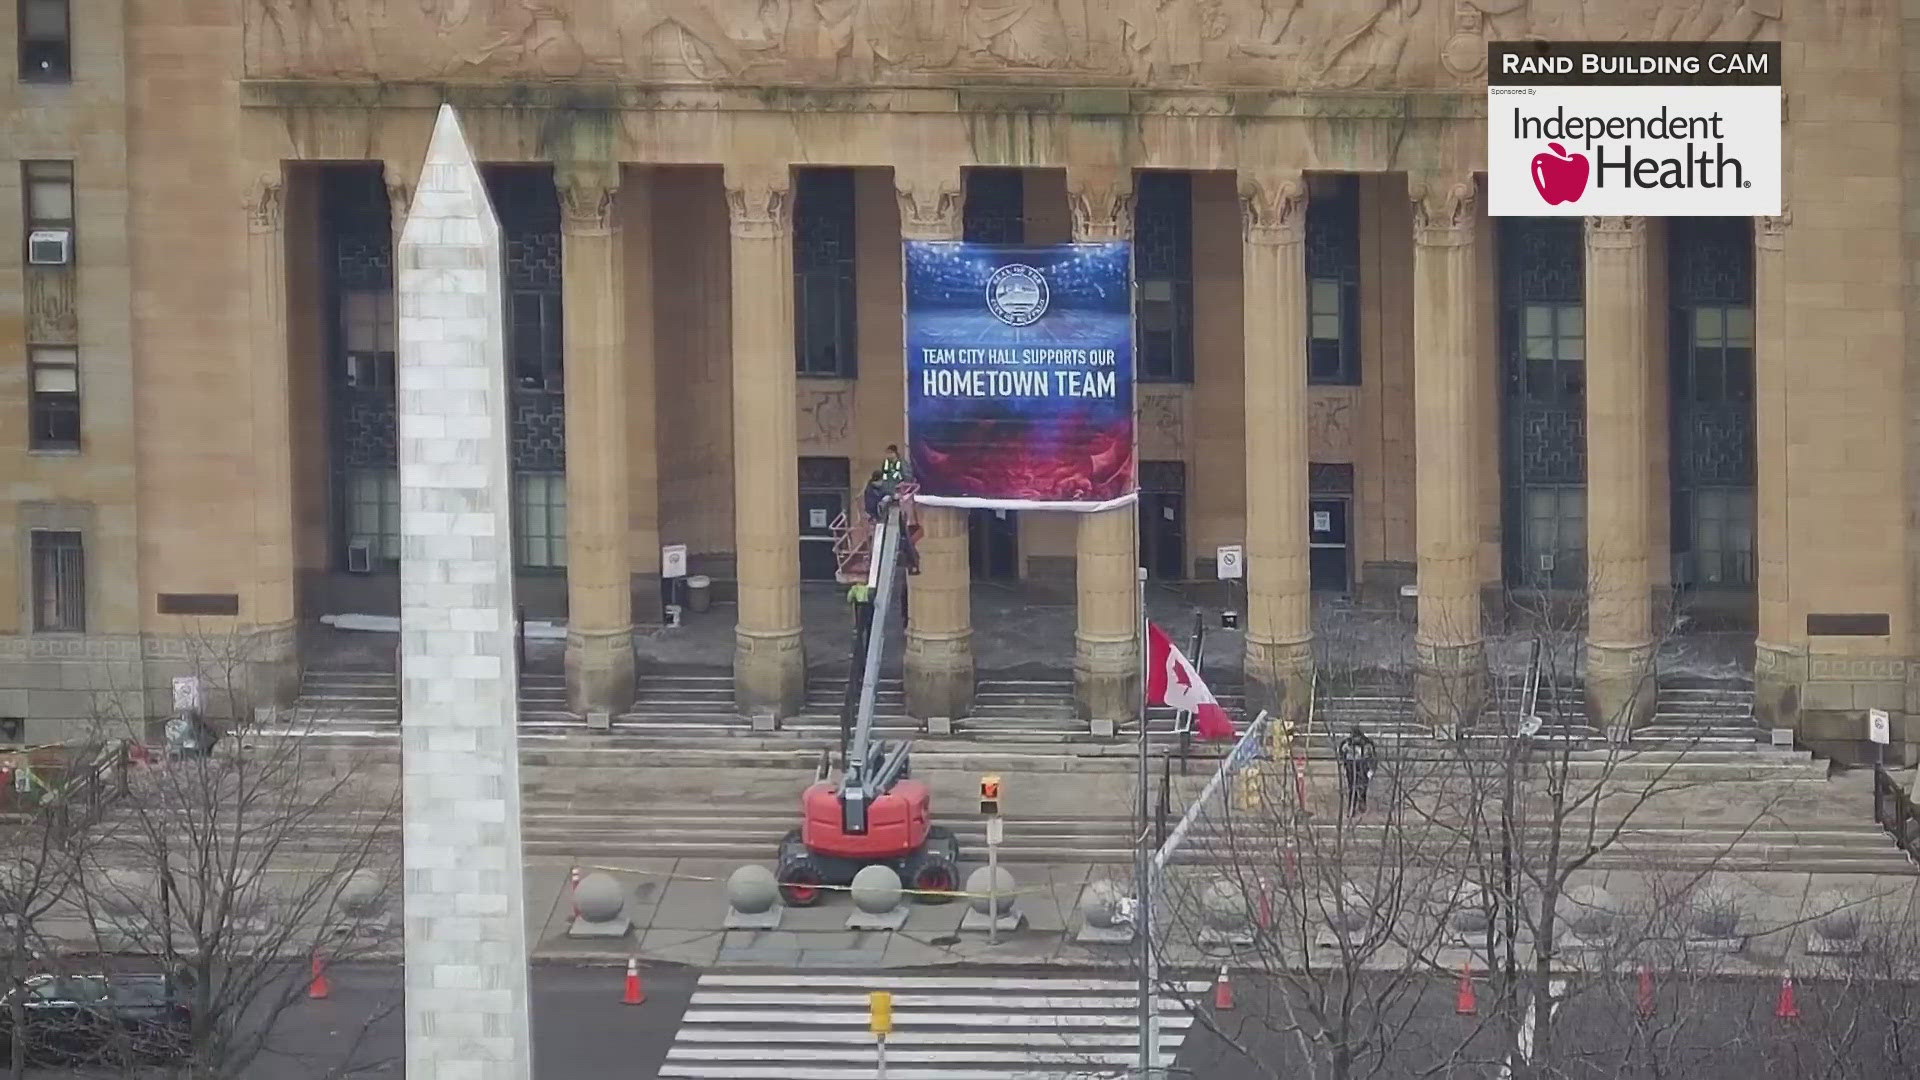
column 1546, row 562
column 50, row 247
column 360, row 557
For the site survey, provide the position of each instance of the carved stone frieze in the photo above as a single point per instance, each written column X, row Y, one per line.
column 264, row 200
column 1273, row 207
column 929, row 205
column 1173, row 44
column 53, row 316
column 1616, row 232
column 1102, row 205
column 1442, row 210
column 759, row 203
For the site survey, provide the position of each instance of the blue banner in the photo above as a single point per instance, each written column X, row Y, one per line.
column 1020, row 375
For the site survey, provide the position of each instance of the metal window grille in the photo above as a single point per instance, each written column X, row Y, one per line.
column 59, row 582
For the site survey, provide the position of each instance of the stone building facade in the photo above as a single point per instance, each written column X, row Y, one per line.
column 704, row 201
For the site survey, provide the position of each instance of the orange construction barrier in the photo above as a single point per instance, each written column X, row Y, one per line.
column 319, row 989
column 1646, row 992
column 1788, row 1007
column 1223, row 992
column 1464, row 1002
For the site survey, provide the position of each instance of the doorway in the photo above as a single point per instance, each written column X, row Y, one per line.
column 1327, row 554
column 993, row 544
column 823, row 499
column 1163, row 519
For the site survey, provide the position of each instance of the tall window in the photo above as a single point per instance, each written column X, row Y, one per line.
column 540, row 519
column 367, row 329
column 1333, row 281
column 49, row 201
column 1163, row 275
column 1544, row 344
column 46, row 41
column 373, row 514
column 538, row 361
column 824, row 296
column 59, row 582
column 1711, row 390
column 53, row 400
column 995, row 208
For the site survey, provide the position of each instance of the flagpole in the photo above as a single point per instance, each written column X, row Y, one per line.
column 1143, row 904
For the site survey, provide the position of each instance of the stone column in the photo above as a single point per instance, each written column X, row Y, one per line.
column 1106, row 653
column 273, row 662
column 599, row 657
column 1620, row 687
column 1447, row 644
column 939, row 663
column 466, row 947
column 769, row 659
column 1279, row 662
column 1780, row 660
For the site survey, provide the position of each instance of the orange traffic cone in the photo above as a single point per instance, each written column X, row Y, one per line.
column 1223, row 992
column 1646, row 992
column 573, row 891
column 1464, row 1002
column 634, row 995
column 319, row 989
column 1787, row 1008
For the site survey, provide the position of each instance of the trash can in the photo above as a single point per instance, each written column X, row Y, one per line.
column 699, row 592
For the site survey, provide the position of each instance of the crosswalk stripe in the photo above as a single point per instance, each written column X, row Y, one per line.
column 802, row 1027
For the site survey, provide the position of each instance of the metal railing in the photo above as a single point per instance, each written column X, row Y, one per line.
column 1894, row 811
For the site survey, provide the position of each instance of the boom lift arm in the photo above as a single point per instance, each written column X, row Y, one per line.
column 872, row 767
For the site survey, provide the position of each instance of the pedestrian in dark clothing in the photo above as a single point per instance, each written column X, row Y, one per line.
column 1357, row 758
column 874, row 497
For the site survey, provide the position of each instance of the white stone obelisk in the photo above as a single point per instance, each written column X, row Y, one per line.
column 466, row 950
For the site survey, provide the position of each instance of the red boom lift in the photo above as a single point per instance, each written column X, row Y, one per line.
column 876, row 812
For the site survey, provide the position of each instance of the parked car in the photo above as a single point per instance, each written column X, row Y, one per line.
column 115, row 1018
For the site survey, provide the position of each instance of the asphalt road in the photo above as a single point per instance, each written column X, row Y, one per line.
column 1711, row 1030
column 580, row 1027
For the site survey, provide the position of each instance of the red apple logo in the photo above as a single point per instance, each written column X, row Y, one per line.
column 1559, row 177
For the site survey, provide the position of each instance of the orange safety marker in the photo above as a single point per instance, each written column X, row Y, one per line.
column 1646, row 992
column 319, row 989
column 1464, row 1002
column 1223, row 992
column 634, row 994
column 573, row 891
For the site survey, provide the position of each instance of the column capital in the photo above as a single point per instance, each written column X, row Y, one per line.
column 930, row 203
column 586, row 200
column 1442, row 209
column 1273, row 207
column 399, row 194
column 1770, row 233
column 1102, row 203
column 265, row 202
column 1616, row 232
column 759, row 203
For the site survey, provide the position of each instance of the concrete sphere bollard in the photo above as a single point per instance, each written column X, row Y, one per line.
column 599, row 898
column 1351, row 911
column 361, row 895
column 876, row 889
column 752, row 889
column 1840, row 920
column 1714, row 910
column 1100, row 904
column 977, row 884
column 1223, row 904
column 1470, row 914
column 1588, row 910
column 125, row 892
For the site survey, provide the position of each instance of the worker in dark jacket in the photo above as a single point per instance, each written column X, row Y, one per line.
column 1357, row 759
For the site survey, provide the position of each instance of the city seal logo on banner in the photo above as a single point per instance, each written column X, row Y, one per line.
column 1017, row 294
column 1633, row 129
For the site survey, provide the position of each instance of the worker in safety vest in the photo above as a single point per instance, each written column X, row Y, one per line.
column 893, row 469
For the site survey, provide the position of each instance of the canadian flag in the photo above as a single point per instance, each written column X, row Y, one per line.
column 1171, row 681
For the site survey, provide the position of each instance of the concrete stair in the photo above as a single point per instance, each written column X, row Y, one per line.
column 370, row 699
